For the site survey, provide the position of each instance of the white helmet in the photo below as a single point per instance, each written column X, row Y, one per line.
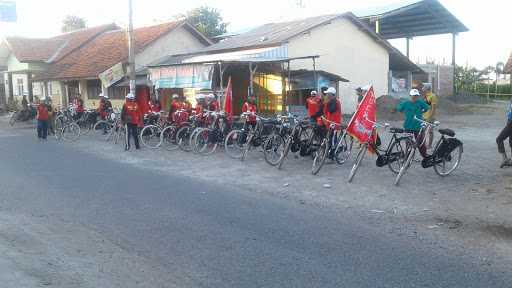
column 101, row 95
column 175, row 96
column 331, row 90
column 130, row 96
column 414, row 92
column 211, row 96
column 314, row 93
column 105, row 96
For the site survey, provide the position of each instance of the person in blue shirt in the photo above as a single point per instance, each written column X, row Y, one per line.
column 504, row 134
column 414, row 107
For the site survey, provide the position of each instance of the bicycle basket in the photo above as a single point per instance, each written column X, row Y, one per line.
column 304, row 148
column 383, row 160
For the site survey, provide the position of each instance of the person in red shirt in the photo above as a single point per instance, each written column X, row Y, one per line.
column 186, row 104
column 132, row 117
column 332, row 108
column 315, row 107
column 42, row 120
column 154, row 106
column 250, row 107
column 175, row 106
column 79, row 107
column 213, row 104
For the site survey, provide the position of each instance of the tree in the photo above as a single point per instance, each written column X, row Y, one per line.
column 207, row 20
column 72, row 23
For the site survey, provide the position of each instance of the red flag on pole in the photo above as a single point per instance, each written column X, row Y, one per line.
column 228, row 102
column 362, row 123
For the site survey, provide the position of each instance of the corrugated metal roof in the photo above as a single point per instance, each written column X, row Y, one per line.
column 271, row 34
column 379, row 10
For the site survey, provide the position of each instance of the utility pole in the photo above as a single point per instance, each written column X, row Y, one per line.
column 131, row 50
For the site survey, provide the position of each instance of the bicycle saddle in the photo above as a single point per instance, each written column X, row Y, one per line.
column 397, row 130
column 447, row 132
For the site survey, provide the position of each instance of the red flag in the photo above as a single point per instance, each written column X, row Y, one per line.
column 362, row 123
column 228, row 101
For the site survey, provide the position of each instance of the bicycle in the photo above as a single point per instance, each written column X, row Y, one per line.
column 24, row 115
column 274, row 146
column 65, row 128
column 393, row 156
column 238, row 142
column 442, row 154
column 304, row 137
column 330, row 145
column 170, row 132
column 150, row 135
column 206, row 140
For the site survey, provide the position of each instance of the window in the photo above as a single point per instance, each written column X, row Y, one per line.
column 20, row 87
column 118, row 93
column 50, row 89
column 93, row 89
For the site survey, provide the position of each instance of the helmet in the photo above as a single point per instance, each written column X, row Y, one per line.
column 105, row 96
column 331, row 90
column 175, row 96
column 314, row 93
column 130, row 96
column 211, row 96
column 414, row 92
column 101, row 95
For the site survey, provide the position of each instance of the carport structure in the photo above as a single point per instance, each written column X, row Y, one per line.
column 414, row 18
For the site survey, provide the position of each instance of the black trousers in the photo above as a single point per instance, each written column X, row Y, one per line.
column 132, row 132
column 504, row 134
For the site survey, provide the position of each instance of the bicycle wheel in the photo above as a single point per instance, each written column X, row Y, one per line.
column 247, row 146
column 234, row 144
column 168, row 138
column 357, row 163
column 344, row 149
column 411, row 152
column 120, row 135
column 398, row 150
column 58, row 126
column 183, row 138
column 71, row 132
column 14, row 118
column 102, row 130
column 150, row 137
column 320, row 156
column 450, row 163
column 273, row 149
column 287, row 147
column 204, row 143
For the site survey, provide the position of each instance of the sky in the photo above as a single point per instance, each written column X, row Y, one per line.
column 488, row 41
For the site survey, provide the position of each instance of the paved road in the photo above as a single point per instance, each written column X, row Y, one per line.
column 207, row 235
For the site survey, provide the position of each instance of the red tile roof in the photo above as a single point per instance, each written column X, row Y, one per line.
column 53, row 49
column 105, row 51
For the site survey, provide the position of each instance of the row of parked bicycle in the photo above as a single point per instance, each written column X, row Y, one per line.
column 277, row 137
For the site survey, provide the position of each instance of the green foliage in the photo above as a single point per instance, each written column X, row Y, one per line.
column 72, row 23
column 207, row 20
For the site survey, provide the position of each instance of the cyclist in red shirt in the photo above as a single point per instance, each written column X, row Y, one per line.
column 332, row 108
column 250, row 107
column 186, row 104
column 175, row 106
column 213, row 104
column 315, row 107
column 132, row 117
column 154, row 106
column 79, row 107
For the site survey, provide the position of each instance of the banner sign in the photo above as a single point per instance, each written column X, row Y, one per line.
column 112, row 75
column 8, row 11
column 361, row 124
column 183, row 76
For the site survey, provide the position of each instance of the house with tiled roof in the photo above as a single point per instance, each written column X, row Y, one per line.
column 21, row 58
column 79, row 72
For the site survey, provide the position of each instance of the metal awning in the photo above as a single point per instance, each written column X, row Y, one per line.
column 412, row 18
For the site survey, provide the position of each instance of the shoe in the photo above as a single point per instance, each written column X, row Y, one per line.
column 506, row 163
column 126, row 148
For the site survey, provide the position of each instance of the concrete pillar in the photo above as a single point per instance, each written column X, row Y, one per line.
column 9, row 88
column 30, row 88
column 64, row 94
